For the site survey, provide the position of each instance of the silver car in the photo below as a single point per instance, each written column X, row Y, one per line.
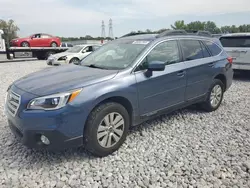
column 72, row 55
column 237, row 45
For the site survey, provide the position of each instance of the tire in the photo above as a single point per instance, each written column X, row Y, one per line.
column 218, row 86
column 73, row 60
column 25, row 44
column 98, row 147
column 53, row 44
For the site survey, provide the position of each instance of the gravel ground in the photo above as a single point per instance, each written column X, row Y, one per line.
column 187, row 148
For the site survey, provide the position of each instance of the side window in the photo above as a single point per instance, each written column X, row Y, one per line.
column 166, row 52
column 191, row 49
column 205, row 51
column 37, row 36
column 214, row 49
column 45, row 36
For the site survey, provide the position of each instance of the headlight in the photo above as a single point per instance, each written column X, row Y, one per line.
column 53, row 102
column 62, row 58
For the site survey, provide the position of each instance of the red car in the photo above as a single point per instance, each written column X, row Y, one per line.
column 37, row 40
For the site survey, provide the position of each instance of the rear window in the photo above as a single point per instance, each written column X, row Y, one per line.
column 239, row 41
column 213, row 48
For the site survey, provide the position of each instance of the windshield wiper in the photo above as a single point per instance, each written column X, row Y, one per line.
column 94, row 66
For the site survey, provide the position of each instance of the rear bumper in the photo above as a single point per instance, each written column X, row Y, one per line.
column 241, row 66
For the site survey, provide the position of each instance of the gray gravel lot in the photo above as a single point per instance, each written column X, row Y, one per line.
column 187, row 148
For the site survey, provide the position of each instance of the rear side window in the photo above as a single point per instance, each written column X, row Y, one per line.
column 205, row 51
column 192, row 49
column 239, row 41
column 213, row 48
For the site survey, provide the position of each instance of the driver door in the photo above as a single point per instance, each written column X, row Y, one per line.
column 159, row 90
column 36, row 41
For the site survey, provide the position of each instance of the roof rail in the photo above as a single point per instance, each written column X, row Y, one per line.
column 184, row 32
column 140, row 33
column 171, row 33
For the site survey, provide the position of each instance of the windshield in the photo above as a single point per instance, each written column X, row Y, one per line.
column 75, row 49
column 118, row 54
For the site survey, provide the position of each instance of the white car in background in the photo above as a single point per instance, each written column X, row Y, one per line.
column 72, row 55
column 237, row 45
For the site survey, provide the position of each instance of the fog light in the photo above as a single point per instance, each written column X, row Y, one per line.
column 45, row 140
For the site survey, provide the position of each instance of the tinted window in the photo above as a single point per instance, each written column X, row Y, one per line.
column 166, row 52
column 205, row 51
column 191, row 50
column 240, row 41
column 213, row 48
column 63, row 45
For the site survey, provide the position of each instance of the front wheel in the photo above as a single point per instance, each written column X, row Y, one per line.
column 106, row 129
column 74, row 60
column 215, row 96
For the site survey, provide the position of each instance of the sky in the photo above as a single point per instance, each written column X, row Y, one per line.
column 83, row 17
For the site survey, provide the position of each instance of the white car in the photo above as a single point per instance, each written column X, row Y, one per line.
column 72, row 55
column 237, row 45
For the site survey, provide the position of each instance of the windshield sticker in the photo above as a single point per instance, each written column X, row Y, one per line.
column 140, row 42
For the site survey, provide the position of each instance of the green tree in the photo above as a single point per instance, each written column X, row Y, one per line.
column 179, row 24
column 197, row 25
column 10, row 29
column 211, row 27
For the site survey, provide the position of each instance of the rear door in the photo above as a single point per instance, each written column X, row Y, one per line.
column 238, row 47
column 198, row 63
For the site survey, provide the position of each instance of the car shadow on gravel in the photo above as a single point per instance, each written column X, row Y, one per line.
column 242, row 76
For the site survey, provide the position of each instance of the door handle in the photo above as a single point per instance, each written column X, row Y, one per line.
column 211, row 64
column 181, row 73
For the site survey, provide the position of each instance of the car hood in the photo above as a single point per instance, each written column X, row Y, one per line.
column 58, row 55
column 61, row 79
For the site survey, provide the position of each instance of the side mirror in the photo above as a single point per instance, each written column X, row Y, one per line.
column 156, row 66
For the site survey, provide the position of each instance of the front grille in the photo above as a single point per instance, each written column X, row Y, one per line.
column 13, row 102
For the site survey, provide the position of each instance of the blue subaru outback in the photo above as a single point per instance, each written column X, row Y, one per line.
column 122, row 84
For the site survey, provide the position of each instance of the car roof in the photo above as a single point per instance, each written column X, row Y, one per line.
column 85, row 45
column 236, row 34
column 151, row 37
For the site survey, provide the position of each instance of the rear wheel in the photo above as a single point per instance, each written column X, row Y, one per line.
column 53, row 44
column 25, row 44
column 106, row 129
column 215, row 96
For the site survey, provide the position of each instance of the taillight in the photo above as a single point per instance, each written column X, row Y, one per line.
column 230, row 60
